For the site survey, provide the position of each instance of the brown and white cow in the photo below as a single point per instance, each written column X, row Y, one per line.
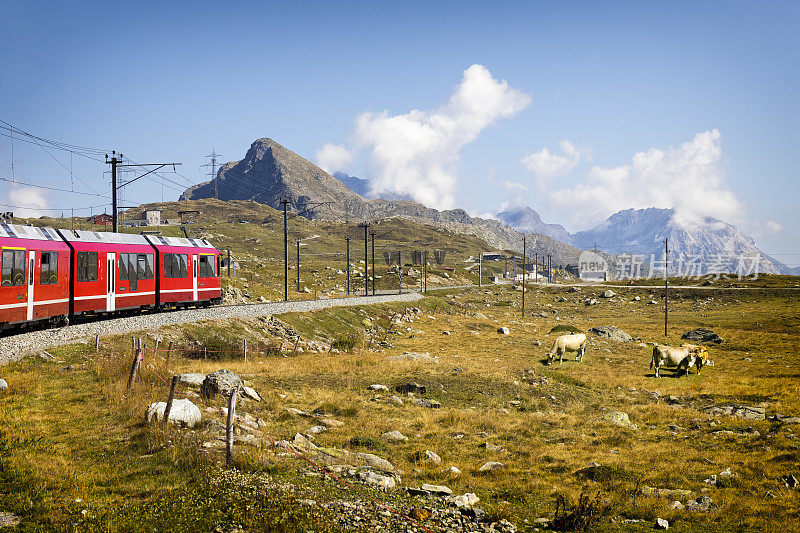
column 678, row 357
column 567, row 343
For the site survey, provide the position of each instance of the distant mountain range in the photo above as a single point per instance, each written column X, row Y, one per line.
column 270, row 172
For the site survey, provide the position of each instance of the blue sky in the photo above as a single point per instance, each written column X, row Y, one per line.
column 705, row 92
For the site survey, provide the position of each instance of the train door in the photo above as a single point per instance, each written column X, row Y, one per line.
column 110, row 281
column 194, row 277
column 31, row 277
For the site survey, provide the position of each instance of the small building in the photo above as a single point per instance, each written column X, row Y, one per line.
column 152, row 217
column 101, row 220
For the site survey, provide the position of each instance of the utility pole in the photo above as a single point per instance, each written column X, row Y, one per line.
column 284, row 203
column 666, row 284
column 372, row 235
column 347, row 238
column 366, row 260
column 400, row 270
column 514, row 267
column 425, row 270
column 213, row 173
column 524, row 251
column 480, row 269
column 298, row 265
column 536, row 267
column 229, row 263
column 113, row 162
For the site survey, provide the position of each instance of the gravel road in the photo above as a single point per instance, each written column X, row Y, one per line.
column 16, row 346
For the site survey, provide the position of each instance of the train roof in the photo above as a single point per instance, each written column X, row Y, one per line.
column 102, row 237
column 15, row 231
column 159, row 240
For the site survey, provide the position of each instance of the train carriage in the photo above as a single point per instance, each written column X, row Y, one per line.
column 35, row 273
column 112, row 271
column 187, row 271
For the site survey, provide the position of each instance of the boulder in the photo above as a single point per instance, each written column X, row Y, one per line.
column 394, row 436
column 191, row 379
column 427, row 402
column 611, row 332
column 220, row 382
column 3, row 384
column 479, row 316
column 250, row 393
column 426, row 457
column 491, row 466
column 619, row 418
column 374, row 478
column 437, row 490
column 701, row 335
column 608, row 294
column 182, row 412
column 702, row 504
column 661, row 523
column 379, row 387
column 464, row 501
column 504, row 331
column 590, row 301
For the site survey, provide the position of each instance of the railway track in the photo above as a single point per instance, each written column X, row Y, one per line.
column 15, row 345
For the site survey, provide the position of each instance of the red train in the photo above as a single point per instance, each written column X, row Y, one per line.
column 50, row 275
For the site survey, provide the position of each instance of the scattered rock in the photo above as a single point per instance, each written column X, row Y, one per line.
column 46, row 356
column 3, row 384
column 9, row 519
column 665, row 493
column 191, row 379
column 701, row 335
column 412, row 387
column 426, row 457
column 395, row 399
column 452, row 471
column 590, row 302
column 220, row 382
column 611, row 332
column 608, row 294
column 466, row 500
column 182, row 412
column 427, row 402
column 503, row 331
column 480, row 316
column 741, row 411
column 250, row 393
column 380, row 480
column 711, row 480
column 619, row 418
column 315, row 430
column 491, row 466
column 379, row 387
column 676, row 506
column 702, row 504
column 661, row 523
column 489, row 447
column 394, row 436
column 438, row 490
column 637, row 298
column 789, row 480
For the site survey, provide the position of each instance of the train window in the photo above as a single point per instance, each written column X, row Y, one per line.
column 206, row 266
column 148, row 267
column 176, row 266
column 184, row 259
column 48, row 274
column 123, row 266
column 86, row 266
column 13, row 274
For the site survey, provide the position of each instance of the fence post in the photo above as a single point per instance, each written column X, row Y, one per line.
column 229, row 426
column 158, row 341
column 171, row 396
column 169, row 352
column 245, row 349
column 296, row 342
column 96, row 342
column 137, row 361
column 205, row 352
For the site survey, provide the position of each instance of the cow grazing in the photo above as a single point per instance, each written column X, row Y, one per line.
column 567, row 343
column 678, row 357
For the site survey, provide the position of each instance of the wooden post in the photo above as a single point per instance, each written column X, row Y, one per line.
column 229, row 426
column 158, row 341
column 133, row 343
column 245, row 350
column 169, row 353
column 137, row 361
column 96, row 342
column 171, row 396
column 296, row 342
column 205, row 352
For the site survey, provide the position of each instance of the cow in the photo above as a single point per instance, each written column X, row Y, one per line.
column 677, row 357
column 567, row 343
column 702, row 356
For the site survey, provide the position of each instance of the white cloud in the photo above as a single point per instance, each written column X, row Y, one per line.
column 686, row 178
column 417, row 153
column 547, row 166
column 773, row 227
column 33, row 201
column 333, row 157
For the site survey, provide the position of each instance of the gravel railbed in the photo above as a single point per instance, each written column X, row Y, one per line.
column 15, row 346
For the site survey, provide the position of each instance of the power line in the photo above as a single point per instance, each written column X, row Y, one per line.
column 52, row 188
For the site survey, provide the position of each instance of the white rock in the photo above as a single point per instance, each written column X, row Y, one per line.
column 3, row 384
column 191, row 379
column 377, row 386
column 491, row 466
column 504, row 331
column 440, row 490
column 661, row 523
column 394, row 436
column 676, row 506
column 452, row 471
column 466, row 500
column 316, row 430
column 373, row 478
column 182, row 412
column 248, row 392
